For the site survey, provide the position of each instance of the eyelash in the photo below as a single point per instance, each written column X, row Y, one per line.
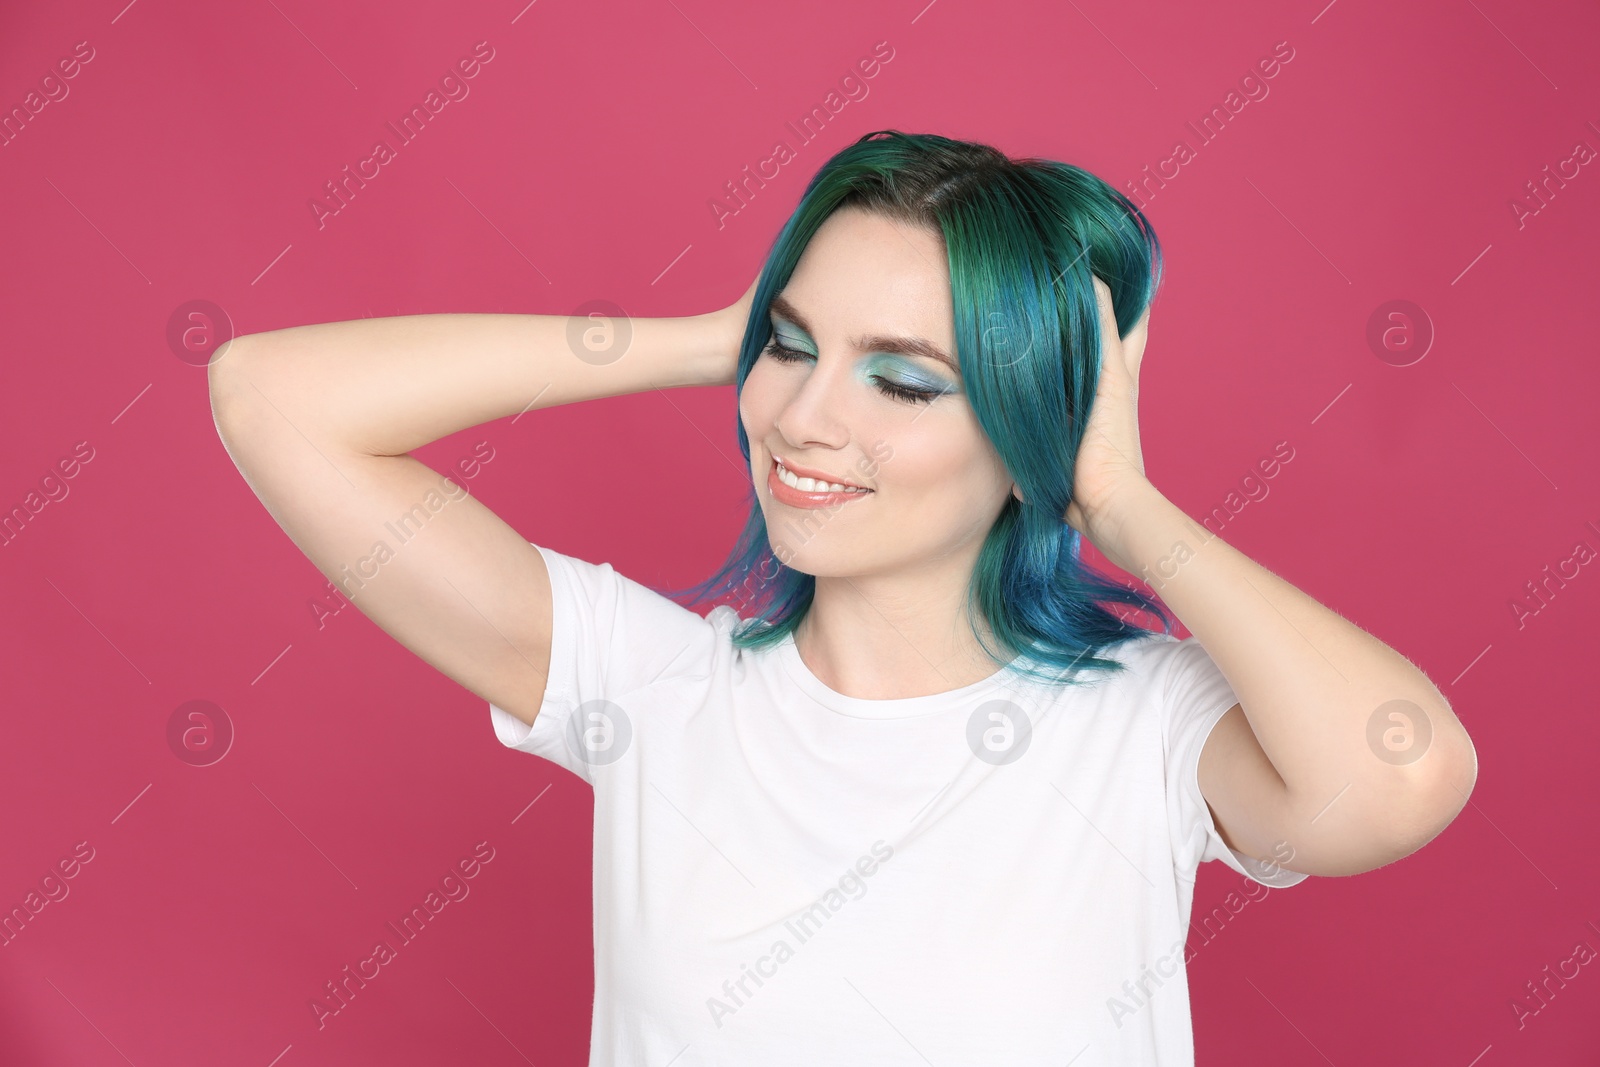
column 784, row 354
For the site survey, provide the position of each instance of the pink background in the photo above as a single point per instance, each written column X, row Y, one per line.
column 1382, row 165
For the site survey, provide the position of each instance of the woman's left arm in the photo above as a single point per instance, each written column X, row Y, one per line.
column 1339, row 749
column 1339, row 746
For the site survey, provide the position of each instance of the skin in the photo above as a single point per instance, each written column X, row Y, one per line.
column 892, row 569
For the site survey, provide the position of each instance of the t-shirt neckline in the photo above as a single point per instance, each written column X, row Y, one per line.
column 893, row 707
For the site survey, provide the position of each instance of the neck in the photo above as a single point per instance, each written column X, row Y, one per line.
column 882, row 637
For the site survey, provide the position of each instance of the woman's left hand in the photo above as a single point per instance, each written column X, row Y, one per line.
column 1109, row 473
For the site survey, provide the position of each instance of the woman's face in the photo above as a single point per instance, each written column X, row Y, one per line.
column 864, row 400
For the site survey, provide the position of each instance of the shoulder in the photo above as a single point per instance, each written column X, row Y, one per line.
column 1146, row 661
column 1164, row 680
column 1132, row 693
column 622, row 634
column 1162, row 662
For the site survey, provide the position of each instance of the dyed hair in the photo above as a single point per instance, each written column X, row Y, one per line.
column 1024, row 240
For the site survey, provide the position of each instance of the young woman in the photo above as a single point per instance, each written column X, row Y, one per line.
column 924, row 792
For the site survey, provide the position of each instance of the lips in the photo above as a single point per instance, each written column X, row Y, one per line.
column 787, row 494
column 816, row 475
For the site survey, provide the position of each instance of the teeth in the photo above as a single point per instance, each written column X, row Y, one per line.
column 811, row 485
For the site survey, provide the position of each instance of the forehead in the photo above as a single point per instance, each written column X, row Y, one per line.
column 865, row 274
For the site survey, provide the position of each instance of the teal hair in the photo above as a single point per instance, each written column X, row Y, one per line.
column 1024, row 239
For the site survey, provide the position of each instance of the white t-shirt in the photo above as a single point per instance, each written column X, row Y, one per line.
column 784, row 875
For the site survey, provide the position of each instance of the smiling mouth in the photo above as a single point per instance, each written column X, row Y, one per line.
column 813, row 485
column 788, row 488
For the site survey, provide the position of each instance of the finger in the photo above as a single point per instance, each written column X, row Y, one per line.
column 1110, row 340
column 1105, row 309
column 1133, row 345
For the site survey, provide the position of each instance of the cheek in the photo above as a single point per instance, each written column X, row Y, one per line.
column 944, row 467
column 755, row 401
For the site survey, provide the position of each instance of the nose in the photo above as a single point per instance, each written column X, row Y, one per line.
column 813, row 414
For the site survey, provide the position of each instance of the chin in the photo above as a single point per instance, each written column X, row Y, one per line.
column 820, row 559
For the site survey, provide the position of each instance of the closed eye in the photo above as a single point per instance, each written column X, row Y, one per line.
column 784, row 354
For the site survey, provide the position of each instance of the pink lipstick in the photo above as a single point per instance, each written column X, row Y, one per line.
column 798, row 498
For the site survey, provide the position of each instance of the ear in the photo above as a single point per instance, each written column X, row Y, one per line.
column 1016, row 491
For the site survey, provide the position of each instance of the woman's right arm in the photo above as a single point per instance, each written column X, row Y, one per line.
column 319, row 420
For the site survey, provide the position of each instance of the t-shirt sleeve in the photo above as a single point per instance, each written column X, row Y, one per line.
column 1195, row 695
column 611, row 638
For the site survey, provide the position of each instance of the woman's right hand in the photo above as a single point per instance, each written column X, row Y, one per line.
column 730, row 325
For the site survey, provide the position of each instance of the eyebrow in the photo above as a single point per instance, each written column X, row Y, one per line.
column 905, row 346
